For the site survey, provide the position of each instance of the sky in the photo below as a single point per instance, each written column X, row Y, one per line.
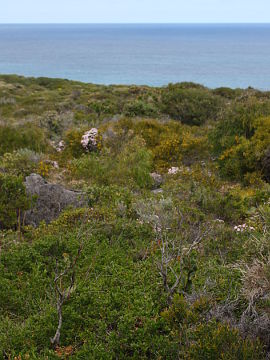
column 134, row 11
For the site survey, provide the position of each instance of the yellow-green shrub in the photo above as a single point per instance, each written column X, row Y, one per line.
column 21, row 137
column 73, row 142
column 248, row 155
column 168, row 152
column 20, row 162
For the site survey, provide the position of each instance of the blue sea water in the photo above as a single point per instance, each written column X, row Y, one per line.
column 213, row 55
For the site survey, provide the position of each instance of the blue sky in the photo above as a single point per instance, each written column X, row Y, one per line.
column 121, row 11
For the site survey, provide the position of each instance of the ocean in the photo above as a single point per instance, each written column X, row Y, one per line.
column 235, row 55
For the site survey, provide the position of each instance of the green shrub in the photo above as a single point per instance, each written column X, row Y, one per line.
column 135, row 164
column 139, row 108
column 93, row 168
column 13, row 201
column 53, row 122
column 201, row 340
column 248, row 155
column 108, row 194
column 238, row 121
column 192, row 106
column 228, row 93
column 130, row 167
column 219, row 341
column 72, row 140
column 21, row 162
column 151, row 131
column 21, row 137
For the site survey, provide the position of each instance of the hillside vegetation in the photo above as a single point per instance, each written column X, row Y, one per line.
column 170, row 256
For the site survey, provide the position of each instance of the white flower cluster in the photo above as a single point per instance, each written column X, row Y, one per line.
column 55, row 164
column 89, row 139
column 60, row 146
column 243, row 228
column 173, row 170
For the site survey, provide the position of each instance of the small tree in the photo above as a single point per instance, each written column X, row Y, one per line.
column 177, row 239
column 13, row 202
column 64, row 274
column 62, row 292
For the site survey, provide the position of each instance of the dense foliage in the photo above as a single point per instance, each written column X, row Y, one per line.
column 169, row 258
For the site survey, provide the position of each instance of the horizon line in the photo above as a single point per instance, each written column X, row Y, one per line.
column 136, row 23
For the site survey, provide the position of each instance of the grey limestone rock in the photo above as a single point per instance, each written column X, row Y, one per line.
column 49, row 200
column 157, row 180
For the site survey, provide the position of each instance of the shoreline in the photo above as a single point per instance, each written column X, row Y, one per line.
column 57, row 79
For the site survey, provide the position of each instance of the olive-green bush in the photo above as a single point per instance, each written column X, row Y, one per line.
column 22, row 137
column 13, row 201
column 192, row 106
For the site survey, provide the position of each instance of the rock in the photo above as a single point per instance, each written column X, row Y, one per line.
column 157, row 191
column 157, row 180
column 50, row 200
column 90, row 140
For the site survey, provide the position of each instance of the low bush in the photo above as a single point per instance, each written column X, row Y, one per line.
column 200, row 340
column 139, row 108
column 248, row 155
column 21, row 137
column 192, row 106
column 21, row 162
column 13, row 201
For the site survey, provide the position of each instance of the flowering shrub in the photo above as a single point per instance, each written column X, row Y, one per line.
column 170, row 141
column 243, row 228
column 195, row 145
column 60, row 146
column 167, row 152
column 173, row 170
column 91, row 140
